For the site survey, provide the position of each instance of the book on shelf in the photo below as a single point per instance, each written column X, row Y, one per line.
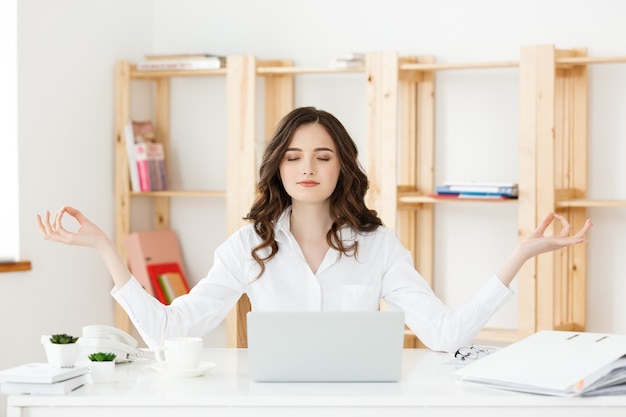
column 129, row 140
column 151, row 247
column 38, row 388
column 40, row 373
column 470, row 196
column 199, row 55
column 350, row 60
column 168, row 281
column 143, row 170
column 479, row 189
column 156, row 166
column 189, row 63
column 149, row 157
column 143, row 130
column 351, row 56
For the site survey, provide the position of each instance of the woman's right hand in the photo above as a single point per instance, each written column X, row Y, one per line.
column 87, row 234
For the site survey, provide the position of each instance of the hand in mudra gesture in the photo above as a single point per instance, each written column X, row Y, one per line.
column 536, row 243
column 87, row 233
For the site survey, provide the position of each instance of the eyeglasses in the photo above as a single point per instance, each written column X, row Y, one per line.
column 472, row 352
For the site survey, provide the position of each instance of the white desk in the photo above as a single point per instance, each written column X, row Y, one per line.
column 427, row 388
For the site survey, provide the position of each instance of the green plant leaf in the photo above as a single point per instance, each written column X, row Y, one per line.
column 63, row 339
column 102, row 357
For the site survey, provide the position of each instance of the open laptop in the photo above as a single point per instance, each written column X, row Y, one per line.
column 325, row 346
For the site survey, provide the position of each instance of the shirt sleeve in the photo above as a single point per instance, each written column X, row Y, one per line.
column 193, row 314
column 438, row 326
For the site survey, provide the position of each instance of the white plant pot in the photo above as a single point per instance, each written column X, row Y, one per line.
column 101, row 372
column 63, row 356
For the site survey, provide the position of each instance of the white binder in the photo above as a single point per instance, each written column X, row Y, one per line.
column 555, row 363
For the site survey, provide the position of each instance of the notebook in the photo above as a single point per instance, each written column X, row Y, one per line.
column 325, row 346
column 552, row 362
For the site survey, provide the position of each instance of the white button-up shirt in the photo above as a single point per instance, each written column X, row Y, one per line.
column 382, row 269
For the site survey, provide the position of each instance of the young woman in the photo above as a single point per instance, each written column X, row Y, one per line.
column 311, row 245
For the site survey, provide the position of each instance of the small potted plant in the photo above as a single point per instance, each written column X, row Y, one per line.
column 102, row 367
column 61, row 349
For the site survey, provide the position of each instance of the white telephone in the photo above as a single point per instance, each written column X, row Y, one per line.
column 98, row 338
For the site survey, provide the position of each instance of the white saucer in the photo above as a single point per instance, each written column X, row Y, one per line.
column 183, row 373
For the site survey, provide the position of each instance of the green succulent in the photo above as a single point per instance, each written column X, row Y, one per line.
column 62, row 339
column 102, row 357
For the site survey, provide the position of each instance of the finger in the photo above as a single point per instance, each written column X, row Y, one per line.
column 565, row 226
column 583, row 231
column 77, row 214
column 46, row 224
column 57, row 219
column 40, row 225
column 543, row 225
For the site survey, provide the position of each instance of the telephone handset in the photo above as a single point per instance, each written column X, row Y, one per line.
column 97, row 338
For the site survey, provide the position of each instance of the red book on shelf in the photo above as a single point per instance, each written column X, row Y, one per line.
column 143, row 169
column 462, row 196
column 156, row 166
column 168, row 281
column 151, row 247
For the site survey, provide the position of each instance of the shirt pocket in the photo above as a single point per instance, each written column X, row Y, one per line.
column 358, row 298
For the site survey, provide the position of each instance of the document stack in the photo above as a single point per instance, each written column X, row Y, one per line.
column 351, row 60
column 477, row 190
column 176, row 62
column 554, row 362
column 42, row 379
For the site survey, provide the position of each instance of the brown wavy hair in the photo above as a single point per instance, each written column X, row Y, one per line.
column 347, row 202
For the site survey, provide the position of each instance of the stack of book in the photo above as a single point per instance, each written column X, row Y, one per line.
column 146, row 158
column 42, row 379
column 156, row 261
column 351, row 60
column 170, row 62
column 477, row 190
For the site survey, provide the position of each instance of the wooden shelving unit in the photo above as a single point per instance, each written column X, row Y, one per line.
column 401, row 104
column 553, row 169
column 240, row 77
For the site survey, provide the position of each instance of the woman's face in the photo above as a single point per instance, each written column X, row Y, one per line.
column 310, row 167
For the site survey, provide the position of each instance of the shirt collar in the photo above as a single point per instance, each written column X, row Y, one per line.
column 283, row 226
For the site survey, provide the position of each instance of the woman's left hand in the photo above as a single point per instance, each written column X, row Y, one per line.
column 536, row 243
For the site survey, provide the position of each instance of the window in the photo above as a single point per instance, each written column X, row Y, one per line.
column 9, row 214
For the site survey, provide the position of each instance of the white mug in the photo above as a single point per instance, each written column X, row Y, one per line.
column 180, row 352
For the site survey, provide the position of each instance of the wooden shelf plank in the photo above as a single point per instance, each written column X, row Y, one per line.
column 309, row 70
column 153, row 75
column 566, row 61
column 442, row 66
column 406, row 200
column 15, row 266
column 179, row 193
column 587, row 202
column 584, row 60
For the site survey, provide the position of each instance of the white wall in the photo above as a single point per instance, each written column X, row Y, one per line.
column 66, row 56
column 67, row 49
column 477, row 122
